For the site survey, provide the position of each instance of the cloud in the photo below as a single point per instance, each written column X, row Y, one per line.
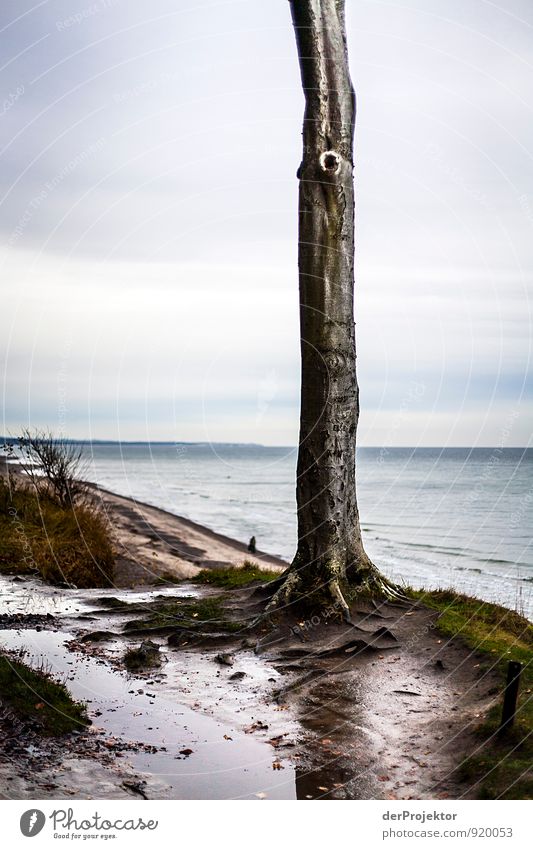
column 149, row 228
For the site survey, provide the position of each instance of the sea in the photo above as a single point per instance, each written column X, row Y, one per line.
column 431, row 517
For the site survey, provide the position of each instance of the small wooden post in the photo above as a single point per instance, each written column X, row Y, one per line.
column 510, row 696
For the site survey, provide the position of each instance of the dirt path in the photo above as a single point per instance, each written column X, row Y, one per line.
column 391, row 723
column 387, row 722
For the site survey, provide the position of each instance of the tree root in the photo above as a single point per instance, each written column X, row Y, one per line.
column 289, row 590
column 380, row 640
column 337, row 596
column 286, row 593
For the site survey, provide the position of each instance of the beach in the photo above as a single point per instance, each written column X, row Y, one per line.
column 152, row 543
column 385, row 707
column 434, row 518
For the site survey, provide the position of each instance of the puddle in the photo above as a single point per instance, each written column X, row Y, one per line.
column 32, row 597
column 218, row 768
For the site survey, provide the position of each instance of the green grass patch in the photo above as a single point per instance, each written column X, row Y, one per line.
column 205, row 613
column 147, row 656
column 503, row 766
column 63, row 544
column 232, row 577
column 37, row 698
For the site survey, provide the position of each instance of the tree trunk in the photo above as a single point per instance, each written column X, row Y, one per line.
column 330, row 551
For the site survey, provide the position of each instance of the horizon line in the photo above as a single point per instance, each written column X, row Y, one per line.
column 103, row 441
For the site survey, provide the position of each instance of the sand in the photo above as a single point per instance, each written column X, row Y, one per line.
column 152, row 542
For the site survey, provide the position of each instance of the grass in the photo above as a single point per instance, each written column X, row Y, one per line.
column 63, row 544
column 187, row 612
column 503, row 766
column 141, row 658
column 233, row 577
column 37, row 699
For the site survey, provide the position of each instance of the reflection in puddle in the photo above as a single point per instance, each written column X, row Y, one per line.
column 224, row 763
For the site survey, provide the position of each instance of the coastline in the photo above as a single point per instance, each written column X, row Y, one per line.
column 407, row 708
column 196, row 527
column 152, row 542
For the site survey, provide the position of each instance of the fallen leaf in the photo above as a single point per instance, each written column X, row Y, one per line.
column 256, row 726
column 383, row 778
column 227, row 737
column 277, row 765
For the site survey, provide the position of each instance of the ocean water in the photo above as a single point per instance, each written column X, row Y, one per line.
column 431, row 517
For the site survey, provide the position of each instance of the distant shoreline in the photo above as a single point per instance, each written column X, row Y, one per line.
column 152, row 541
column 197, row 545
column 204, row 444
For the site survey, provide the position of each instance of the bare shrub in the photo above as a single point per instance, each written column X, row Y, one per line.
column 54, row 466
column 50, row 522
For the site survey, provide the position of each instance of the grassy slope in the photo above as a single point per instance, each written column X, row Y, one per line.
column 63, row 544
column 233, row 578
column 36, row 698
column 502, row 766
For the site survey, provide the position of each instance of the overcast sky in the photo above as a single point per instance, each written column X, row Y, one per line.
column 148, row 219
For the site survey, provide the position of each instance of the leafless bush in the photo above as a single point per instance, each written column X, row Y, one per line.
column 54, row 466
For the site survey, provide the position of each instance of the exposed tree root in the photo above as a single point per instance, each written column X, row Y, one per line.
column 337, row 596
column 291, row 589
column 287, row 593
column 379, row 640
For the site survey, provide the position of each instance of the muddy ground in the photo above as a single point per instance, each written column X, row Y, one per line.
column 299, row 710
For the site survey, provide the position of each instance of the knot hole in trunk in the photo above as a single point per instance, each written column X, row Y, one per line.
column 330, row 162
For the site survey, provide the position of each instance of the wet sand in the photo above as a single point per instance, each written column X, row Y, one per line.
column 152, row 542
column 393, row 722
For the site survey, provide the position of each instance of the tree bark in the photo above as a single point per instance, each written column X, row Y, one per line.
column 330, row 552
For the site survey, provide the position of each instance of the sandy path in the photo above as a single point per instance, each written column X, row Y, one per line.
column 152, row 542
column 394, row 723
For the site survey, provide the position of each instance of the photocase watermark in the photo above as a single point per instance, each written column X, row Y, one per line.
column 414, row 393
column 32, row 822
column 51, row 185
column 268, row 388
column 147, row 87
column 11, row 99
column 83, row 14
column 28, row 558
column 491, row 464
column 65, row 824
column 415, row 638
column 317, row 619
column 523, row 509
column 525, row 206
